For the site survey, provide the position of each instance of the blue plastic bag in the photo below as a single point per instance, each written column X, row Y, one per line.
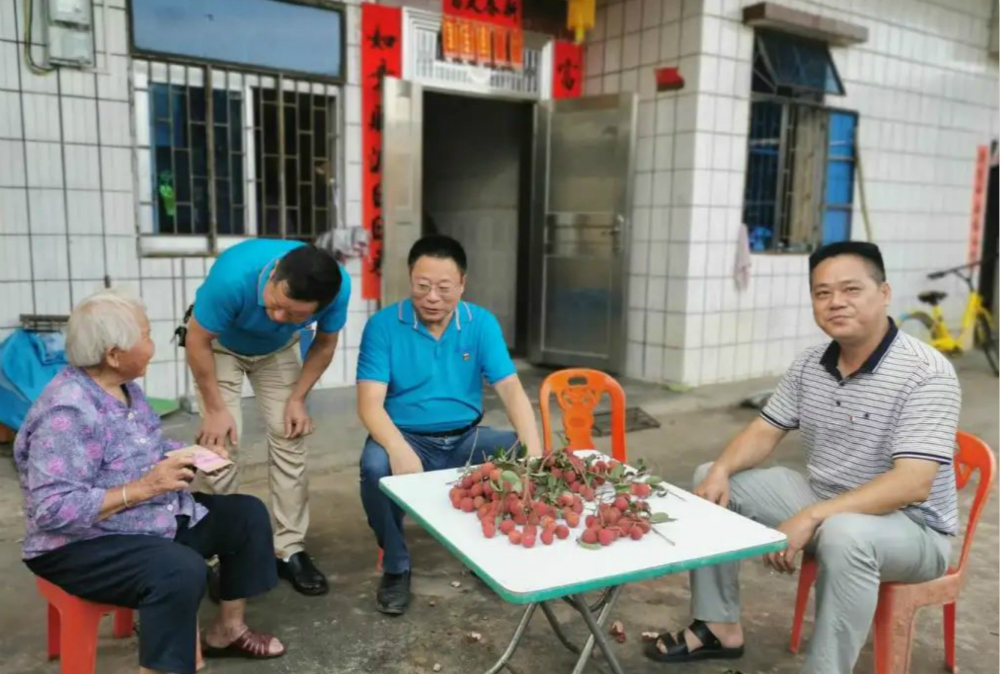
column 28, row 362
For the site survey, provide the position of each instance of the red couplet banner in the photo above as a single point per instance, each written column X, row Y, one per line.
column 381, row 55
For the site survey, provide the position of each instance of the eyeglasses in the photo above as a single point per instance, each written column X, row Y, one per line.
column 443, row 291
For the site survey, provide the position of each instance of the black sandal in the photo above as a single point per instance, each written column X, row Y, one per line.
column 677, row 650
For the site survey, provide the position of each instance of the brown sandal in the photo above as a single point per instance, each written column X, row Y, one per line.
column 251, row 645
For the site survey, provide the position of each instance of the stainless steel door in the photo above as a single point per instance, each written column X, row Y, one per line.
column 402, row 157
column 584, row 152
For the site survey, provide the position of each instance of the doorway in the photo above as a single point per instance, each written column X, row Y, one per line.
column 476, row 169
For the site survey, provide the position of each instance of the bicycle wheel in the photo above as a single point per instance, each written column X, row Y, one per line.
column 917, row 324
column 986, row 338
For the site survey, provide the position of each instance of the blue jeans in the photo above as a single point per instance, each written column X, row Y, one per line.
column 384, row 516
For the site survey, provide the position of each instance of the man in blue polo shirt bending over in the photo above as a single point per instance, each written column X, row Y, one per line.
column 246, row 321
column 420, row 395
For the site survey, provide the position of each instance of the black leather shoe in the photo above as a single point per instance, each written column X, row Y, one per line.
column 393, row 595
column 300, row 571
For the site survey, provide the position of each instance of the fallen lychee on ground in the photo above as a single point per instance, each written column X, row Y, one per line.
column 538, row 500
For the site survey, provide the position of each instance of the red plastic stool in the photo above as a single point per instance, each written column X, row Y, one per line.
column 73, row 626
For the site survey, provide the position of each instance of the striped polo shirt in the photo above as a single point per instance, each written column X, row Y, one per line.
column 902, row 403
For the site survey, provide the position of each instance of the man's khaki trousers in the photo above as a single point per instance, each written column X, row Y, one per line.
column 272, row 377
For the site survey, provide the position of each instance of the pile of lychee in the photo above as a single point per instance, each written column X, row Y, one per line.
column 541, row 499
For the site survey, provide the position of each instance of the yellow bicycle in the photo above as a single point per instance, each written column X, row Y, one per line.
column 977, row 322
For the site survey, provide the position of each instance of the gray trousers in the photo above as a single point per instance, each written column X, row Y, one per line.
column 854, row 553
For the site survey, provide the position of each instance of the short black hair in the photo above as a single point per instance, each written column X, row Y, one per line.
column 868, row 252
column 439, row 246
column 312, row 275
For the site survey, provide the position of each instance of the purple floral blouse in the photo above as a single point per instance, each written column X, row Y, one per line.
column 77, row 443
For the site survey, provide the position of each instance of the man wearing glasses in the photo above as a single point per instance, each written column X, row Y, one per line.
column 420, row 395
column 246, row 321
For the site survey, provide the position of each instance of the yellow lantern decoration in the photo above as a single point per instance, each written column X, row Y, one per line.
column 580, row 17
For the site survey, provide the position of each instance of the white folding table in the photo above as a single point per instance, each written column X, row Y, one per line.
column 701, row 534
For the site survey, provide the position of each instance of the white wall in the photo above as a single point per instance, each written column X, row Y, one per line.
column 926, row 92
column 68, row 191
column 924, row 87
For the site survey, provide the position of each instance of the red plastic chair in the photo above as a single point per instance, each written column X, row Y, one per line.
column 898, row 603
column 578, row 391
column 73, row 626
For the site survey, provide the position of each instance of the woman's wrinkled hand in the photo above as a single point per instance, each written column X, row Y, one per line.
column 174, row 473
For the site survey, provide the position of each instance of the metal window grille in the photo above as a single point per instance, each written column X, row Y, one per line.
column 294, row 144
column 799, row 181
column 219, row 156
column 786, row 172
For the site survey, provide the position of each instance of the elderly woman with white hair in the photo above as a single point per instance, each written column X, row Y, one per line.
column 108, row 514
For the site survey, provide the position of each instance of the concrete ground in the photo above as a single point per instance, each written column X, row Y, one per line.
column 342, row 632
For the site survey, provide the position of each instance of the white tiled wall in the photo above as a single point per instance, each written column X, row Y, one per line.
column 924, row 87
column 67, row 194
column 926, row 92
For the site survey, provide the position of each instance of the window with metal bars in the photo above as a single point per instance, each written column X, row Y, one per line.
column 800, row 154
column 227, row 154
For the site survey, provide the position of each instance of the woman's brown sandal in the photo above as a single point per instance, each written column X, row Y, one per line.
column 251, row 645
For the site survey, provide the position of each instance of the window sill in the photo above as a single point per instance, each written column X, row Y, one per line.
column 195, row 245
column 781, row 253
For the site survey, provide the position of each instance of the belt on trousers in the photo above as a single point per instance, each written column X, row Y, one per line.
column 449, row 434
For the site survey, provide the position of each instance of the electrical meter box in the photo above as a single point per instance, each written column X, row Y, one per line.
column 69, row 32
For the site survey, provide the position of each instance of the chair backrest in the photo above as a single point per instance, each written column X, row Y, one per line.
column 578, row 391
column 973, row 454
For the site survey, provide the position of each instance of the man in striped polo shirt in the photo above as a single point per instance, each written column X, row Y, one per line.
column 878, row 411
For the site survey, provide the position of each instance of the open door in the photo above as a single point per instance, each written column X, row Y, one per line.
column 584, row 150
column 402, row 153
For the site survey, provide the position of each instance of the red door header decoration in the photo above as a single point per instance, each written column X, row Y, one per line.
column 484, row 32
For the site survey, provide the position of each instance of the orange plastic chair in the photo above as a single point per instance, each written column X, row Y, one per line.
column 73, row 626
column 578, row 391
column 898, row 603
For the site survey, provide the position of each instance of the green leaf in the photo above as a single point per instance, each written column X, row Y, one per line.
column 617, row 471
column 589, row 546
column 660, row 518
column 654, row 480
column 622, row 489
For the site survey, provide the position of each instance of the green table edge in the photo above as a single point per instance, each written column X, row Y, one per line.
column 577, row 588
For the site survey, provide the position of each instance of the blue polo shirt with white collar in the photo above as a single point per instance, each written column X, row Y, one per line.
column 230, row 303
column 433, row 384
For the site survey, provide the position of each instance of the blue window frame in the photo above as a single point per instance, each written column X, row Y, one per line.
column 839, row 194
column 785, row 64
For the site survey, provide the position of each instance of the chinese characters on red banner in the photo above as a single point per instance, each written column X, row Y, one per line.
column 484, row 32
column 567, row 70
column 980, row 181
column 381, row 55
